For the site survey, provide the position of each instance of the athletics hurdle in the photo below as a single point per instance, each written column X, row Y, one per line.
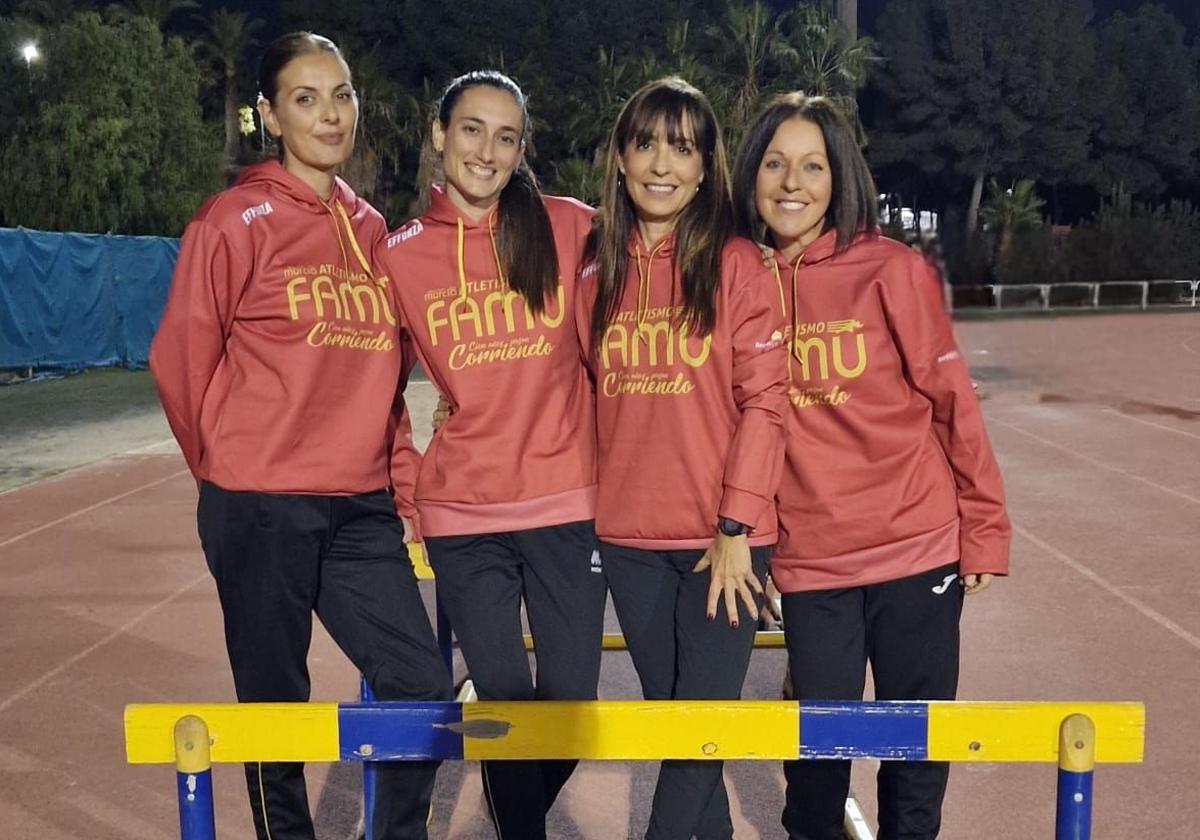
column 1076, row 736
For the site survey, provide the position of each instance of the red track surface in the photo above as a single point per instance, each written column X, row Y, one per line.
column 105, row 600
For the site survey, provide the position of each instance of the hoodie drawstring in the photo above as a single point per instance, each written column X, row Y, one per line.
column 643, row 298
column 362, row 260
column 791, row 350
column 462, row 262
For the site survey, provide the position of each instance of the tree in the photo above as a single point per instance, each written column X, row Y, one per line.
column 1149, row 122
column 973, row 90
column 745, row 37
column 815, row 55
column 159, row 12
column 228, row 37
column 1010, row 211
column 117, row 144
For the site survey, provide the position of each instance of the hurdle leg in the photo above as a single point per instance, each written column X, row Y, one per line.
column 1076, row 765
column 368, row 826
column 193, row 773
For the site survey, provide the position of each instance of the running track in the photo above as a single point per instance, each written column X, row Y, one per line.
column 105, row 600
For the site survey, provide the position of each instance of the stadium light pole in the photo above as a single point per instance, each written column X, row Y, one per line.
column 30, row 53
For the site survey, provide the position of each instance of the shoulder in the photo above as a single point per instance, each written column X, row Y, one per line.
column 238, row 206
column 234, row 214
column 402, row 236
column 367, row 219
column 743, row 266
column 564, row 209
column 888, row 254
column 740, row 251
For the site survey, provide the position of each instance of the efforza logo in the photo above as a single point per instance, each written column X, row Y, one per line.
column 252, row 213
column 405, row 234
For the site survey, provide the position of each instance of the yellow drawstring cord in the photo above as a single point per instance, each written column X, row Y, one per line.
column 462, row 265
column 362, row 260
column 643, row 299
column 783, row 305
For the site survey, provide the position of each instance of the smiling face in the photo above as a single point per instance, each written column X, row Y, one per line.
column 662, row 175
column 481, row 146
column 794, row 185
column 314, row 115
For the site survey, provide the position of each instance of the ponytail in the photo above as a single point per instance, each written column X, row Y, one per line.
column 528, row 257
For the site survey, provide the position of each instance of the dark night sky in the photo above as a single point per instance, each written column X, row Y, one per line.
column 1188, row 11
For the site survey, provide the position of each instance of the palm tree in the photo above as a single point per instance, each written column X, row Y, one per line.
column 811, row 48
column 594, row 107
column 813, row 53
column 229, row 35
column 745, row 37
column 1008, row 211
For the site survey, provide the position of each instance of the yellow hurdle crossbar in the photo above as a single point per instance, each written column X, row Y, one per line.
column 636, row 730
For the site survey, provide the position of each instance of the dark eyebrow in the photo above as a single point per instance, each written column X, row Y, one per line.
column 477, row 121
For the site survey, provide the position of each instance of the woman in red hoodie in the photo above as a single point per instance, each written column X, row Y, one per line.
column 891, row 505
column 506, row 492
column 683, row 330
column 277, row 361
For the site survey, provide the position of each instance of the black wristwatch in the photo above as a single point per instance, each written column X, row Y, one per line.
column 731, row 527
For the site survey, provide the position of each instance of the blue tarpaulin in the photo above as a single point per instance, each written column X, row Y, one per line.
column 71, row 300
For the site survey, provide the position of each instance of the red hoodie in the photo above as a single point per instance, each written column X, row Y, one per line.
column 889, row 472
column 689, row 429
column 518, row 450
column 278, row 356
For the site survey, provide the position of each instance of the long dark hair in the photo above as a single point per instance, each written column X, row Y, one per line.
column 704, row 226
column 525, row 240
column 280, row 53
column 853, row 205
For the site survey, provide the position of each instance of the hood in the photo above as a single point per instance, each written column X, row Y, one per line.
column 343, row 204
column 442, row 210
column 824, row 247
column 272, row 175
column 664, row 248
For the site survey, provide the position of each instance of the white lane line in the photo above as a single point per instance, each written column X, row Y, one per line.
column 67, row 663
column 1193, row 499
column 1146, row 422
column 1149, row 612
column 150, row 447
column 90, row 508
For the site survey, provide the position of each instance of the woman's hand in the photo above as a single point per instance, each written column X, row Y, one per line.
column 976, row 583
column 732, row 574
column 441, row 414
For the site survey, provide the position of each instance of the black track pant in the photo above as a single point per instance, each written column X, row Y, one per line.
column 908, row 630
column 481, row 581
column 680, row 655
column 276, row 560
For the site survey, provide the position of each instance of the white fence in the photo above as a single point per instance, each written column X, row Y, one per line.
column 1141, row 294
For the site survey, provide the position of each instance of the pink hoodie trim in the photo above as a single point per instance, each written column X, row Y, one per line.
column 456, row 519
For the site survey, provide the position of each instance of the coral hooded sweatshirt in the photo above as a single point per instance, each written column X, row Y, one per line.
column 278, row 358
column 689, row 429
column 889, row 472
column 518, row 450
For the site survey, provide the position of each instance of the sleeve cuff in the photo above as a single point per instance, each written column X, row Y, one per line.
column 741, row 506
